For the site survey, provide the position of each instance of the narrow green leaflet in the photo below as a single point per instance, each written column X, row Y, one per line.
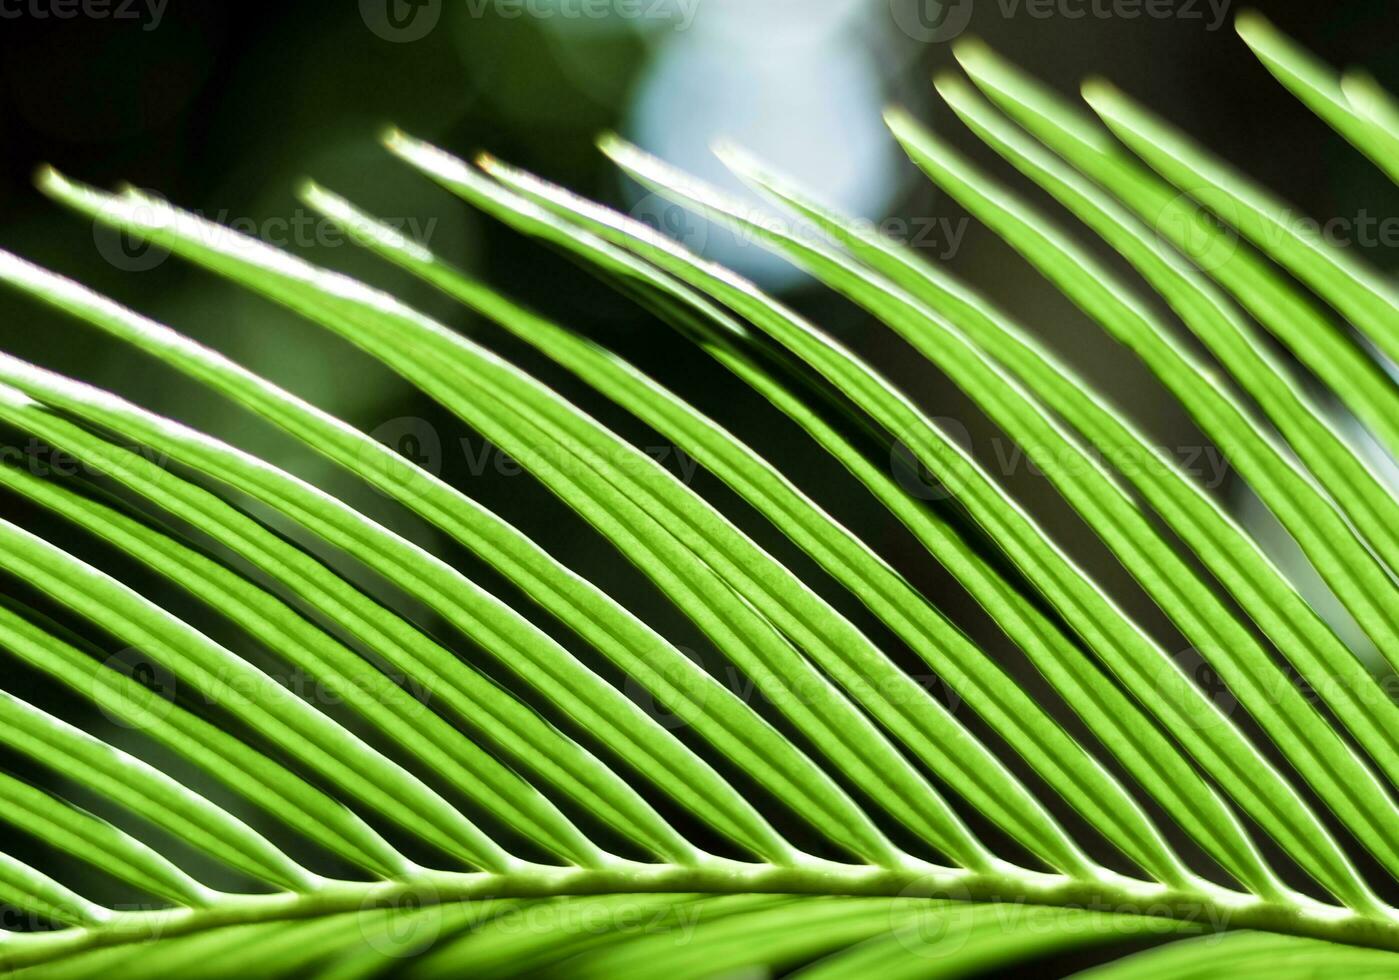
column 1378, row 105
column 1322, row 659
column 340, row 673
column 30, row 889
column 258, row 779
column 1319, row 88
column 286, row 948
column 1357, row 292
column 1250, row 954
column 976, row 939
column 97, row 842
column 538, row 936
column 1121, row 725
column 774, row 937
column 474, row 697
column 690, row 693
column 850, row 561
column 146, row 792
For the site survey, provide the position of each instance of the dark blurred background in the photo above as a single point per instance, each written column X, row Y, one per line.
column 221, row 108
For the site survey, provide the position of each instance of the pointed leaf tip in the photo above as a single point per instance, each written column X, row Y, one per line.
column 952, row 86
column 724, row 146
column 974, row 54
column 1100, row 93
column 899, row 119
column 606, row 138
column 47, row 177
column 736, row 158
column 1254, row 28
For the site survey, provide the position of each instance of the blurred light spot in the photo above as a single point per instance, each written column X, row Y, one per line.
column 790, row 82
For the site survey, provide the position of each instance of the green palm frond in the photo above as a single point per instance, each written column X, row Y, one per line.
column 534, row 816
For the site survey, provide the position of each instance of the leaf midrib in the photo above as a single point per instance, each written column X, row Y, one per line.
column 1206, row 906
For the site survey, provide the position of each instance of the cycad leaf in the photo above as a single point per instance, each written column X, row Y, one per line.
column 466, row 777
column 1327, row 665
column 1131, row 735
column 1134, row 657
column 255, row 698
column 1357, row 492
column 1244, row 954
column 688, row 691
column 97, row 842
column 340, row 524
column 848, row 560
column 28, row 888
column 1303, row 733
column 252, row 775
column 146, row 792
column 393, row 710
column 547, row 436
